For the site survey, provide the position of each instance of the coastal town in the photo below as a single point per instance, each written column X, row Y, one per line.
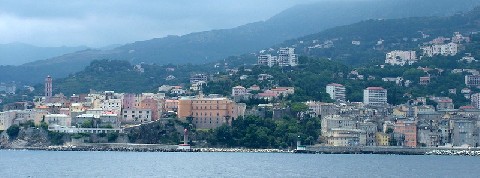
column 422, row 121
column 428, row 121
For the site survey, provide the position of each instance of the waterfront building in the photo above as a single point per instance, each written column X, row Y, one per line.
column 463, row 132
column 208, row 113
column 408, row 130
column 382, row 139
column 369, row 130
column 344, row 137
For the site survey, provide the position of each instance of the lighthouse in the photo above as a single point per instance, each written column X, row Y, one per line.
column 185, row 145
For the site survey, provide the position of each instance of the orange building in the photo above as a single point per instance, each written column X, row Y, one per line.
column 409, row 130
column 208, row 113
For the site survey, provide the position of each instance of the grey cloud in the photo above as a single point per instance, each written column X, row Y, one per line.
column 97, row 23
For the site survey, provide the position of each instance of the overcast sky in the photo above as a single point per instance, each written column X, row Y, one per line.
column 98, row 23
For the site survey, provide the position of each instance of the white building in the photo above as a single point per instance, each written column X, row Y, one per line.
column 136, row 115
column 287, row 57
column 112, row 105
column 6, row 119
column 198, row 78
column 330, row 122
column 375, row 96
column 239, row 91
column 401, row 58
column 336, row 91
column 450, row 49
column 472, row 80
column 58, row 119
column 267, row 60
column 345, row 137
column 475, row 99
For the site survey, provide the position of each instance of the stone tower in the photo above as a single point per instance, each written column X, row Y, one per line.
column 48, row 88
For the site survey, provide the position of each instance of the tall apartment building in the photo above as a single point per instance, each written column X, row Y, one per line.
column 336, row 91
column 287, row 57
column 267, row 60
column 375, row 96
column 450, row 49
column 208, row 113
column 401, row 58
column 472, row 80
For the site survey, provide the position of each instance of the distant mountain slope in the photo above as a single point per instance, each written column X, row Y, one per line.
column 19, row 53
column 395, row 34
column 401, row 34
column 204, row 47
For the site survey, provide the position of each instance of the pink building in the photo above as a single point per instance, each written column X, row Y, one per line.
column 152, row 104
column 409, row 130
column 129, row 101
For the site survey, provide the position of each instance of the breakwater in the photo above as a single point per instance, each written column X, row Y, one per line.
column 308, row 150
column 391, row 150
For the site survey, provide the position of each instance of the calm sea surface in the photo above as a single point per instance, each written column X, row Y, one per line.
column 131, row 164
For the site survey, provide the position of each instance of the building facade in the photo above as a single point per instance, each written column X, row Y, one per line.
column 401, row 58
column 208, row 113
column 472, row 80
column 267, row 60
column 375, row 96
column 287, row 57
column 336, row 91
column 408, row 130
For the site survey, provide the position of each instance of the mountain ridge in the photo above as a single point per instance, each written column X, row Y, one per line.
column 215, row 45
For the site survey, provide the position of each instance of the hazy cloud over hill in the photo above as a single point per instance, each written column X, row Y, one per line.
column 99, row 23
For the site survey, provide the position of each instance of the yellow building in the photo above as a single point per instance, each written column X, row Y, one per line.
column 382, row 139
column 207, row 113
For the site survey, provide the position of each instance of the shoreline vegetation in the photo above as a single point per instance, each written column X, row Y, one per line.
column 308, row 150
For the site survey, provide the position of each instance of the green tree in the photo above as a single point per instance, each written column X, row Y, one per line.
column 13, row 131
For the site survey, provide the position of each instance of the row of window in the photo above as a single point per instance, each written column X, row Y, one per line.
column 140, row 112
